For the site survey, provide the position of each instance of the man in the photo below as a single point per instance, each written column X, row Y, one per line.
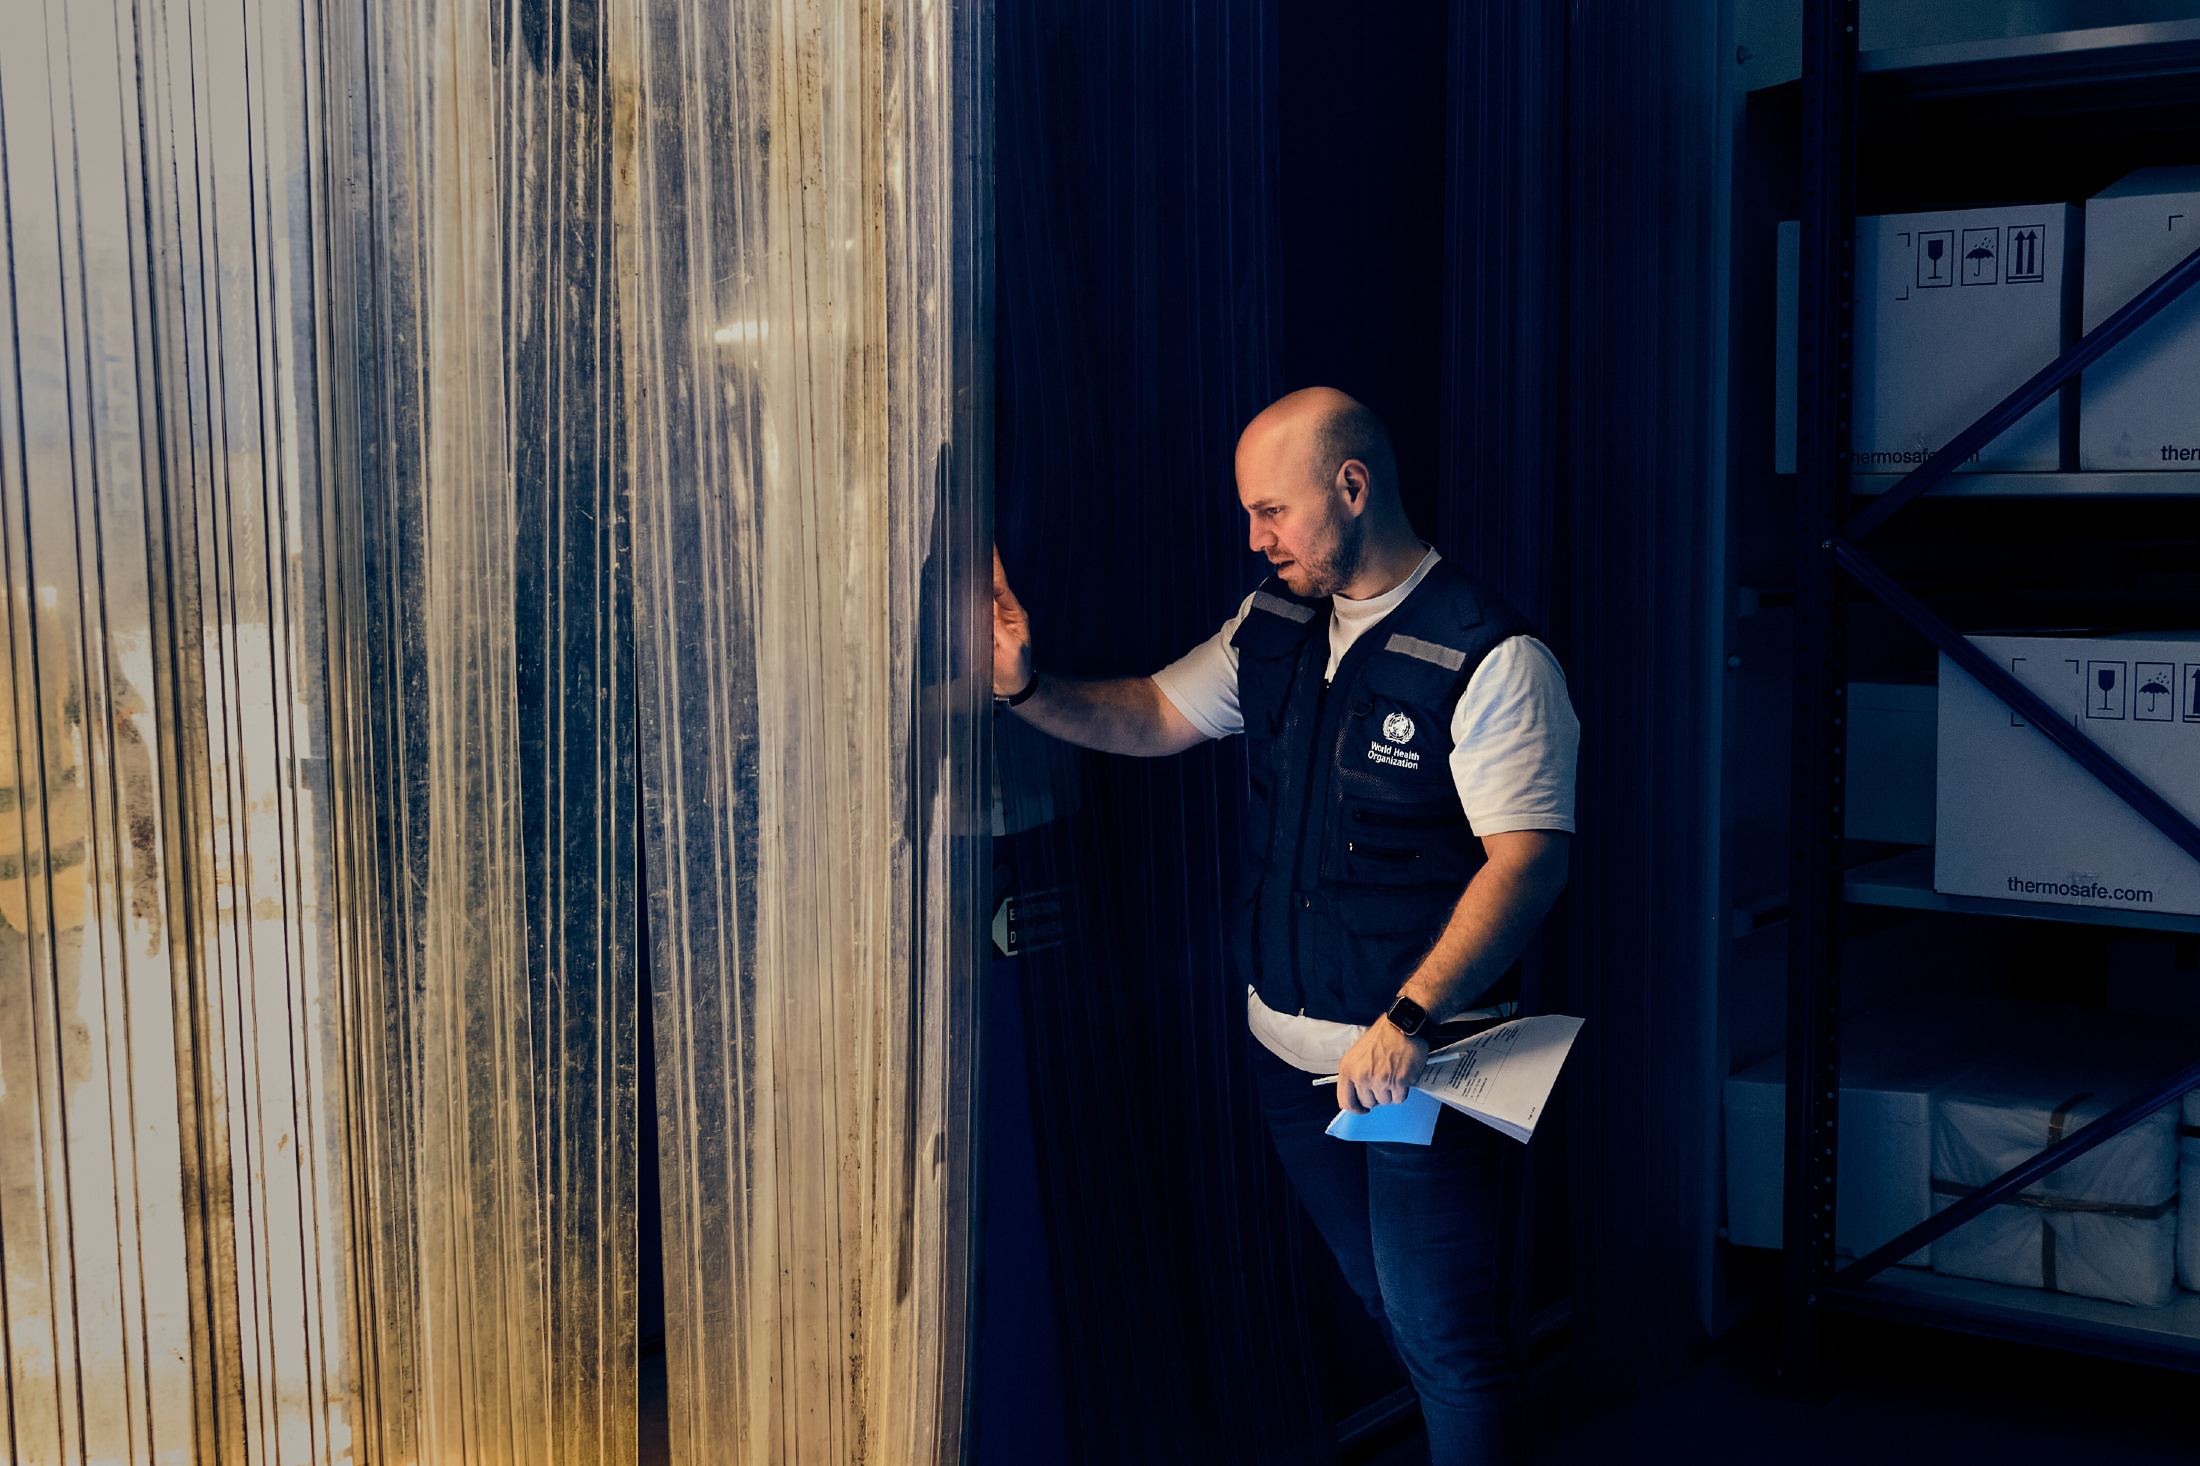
column 1411, row 759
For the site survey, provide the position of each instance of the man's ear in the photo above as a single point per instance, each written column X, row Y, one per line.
column 1352, row 482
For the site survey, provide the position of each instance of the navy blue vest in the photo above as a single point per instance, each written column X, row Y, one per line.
column 1355, row 847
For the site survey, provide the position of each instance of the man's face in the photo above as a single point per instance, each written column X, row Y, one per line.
column 1300, row 524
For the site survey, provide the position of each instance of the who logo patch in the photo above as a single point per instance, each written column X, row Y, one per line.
column 1390, row 749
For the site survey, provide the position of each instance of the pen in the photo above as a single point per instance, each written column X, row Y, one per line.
column 1444, row 1055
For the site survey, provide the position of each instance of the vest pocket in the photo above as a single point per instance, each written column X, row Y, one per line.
column 1385, row 860
column 1371, row 851
column 1265, row 675
column 1397, row 842
column 1365, row 949
column 1403, row 818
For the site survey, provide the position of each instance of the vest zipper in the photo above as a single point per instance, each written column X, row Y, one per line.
column 1306, row 810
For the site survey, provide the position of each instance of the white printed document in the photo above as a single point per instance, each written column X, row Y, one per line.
column 1502, row 1077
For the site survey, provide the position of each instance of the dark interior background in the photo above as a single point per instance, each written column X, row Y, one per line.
column 1494, row 228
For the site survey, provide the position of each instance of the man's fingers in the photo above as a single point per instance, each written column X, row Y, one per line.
column 1361, row 1087
column 1001, row 592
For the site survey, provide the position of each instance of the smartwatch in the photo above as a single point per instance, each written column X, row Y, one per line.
column 1408, row 1017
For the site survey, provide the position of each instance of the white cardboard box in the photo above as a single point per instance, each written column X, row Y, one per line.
column 1953, row 311
column 1892, row 1062
column 2139, row 408
column 2018, row 819
column 1890, row 763
column 2102, row 1226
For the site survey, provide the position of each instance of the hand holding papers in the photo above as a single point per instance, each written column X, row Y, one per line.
column 1502, row 1077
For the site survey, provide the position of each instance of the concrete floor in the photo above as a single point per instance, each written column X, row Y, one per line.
column 1896, row 1396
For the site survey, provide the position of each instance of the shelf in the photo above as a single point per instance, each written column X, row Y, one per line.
column 1943, row 110
column 1906, row 880
column 2168, row 1336
column 2105, row 53
column 2172, row 485
column 1924, row 50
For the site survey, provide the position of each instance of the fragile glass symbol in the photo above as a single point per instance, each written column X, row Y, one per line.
column 2105, row 679
column 1934, row 249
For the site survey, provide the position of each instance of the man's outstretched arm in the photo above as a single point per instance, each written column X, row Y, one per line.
column 1115, row 715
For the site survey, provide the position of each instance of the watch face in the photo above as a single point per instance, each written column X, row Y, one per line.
column 1409, row 1016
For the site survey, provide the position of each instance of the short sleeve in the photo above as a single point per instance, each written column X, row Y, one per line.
column 1515, row 741
column 1203, row 683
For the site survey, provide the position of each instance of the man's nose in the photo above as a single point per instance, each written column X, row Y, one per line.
column 1258, row 536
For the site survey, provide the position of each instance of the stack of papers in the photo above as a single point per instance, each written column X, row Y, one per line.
column 1502, row 1077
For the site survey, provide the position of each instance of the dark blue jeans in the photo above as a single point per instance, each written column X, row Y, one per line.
column 1424, row 1235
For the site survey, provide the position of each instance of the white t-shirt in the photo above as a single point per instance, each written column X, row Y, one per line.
column 1514, row 738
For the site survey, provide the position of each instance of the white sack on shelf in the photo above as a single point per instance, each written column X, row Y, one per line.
column 2188, row 1221
column 1892, row 1061
column 2104, row 1225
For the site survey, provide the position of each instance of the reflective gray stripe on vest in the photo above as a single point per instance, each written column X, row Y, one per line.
column 1288, row 610
column 1446, row 657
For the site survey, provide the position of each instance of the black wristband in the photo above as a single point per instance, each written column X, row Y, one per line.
column 1018, row 699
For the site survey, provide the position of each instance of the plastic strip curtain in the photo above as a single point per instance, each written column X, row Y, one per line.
column 315, row 847
column 174, row 1198
column 487, row 674
column 807, row 331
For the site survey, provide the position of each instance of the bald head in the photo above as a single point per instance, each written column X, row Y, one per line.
column 1315, row 431
column 1320, row 489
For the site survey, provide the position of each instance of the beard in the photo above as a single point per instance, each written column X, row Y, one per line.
column 1336, row 564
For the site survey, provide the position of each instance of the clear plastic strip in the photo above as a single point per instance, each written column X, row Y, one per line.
column 803, row 272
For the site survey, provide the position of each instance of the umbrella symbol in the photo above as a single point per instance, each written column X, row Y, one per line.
column 2154, row 687
column 1978, row 254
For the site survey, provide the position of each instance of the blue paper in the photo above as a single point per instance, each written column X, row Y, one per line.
column 1411, row 1121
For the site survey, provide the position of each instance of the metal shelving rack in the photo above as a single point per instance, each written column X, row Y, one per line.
column 1835, row 517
